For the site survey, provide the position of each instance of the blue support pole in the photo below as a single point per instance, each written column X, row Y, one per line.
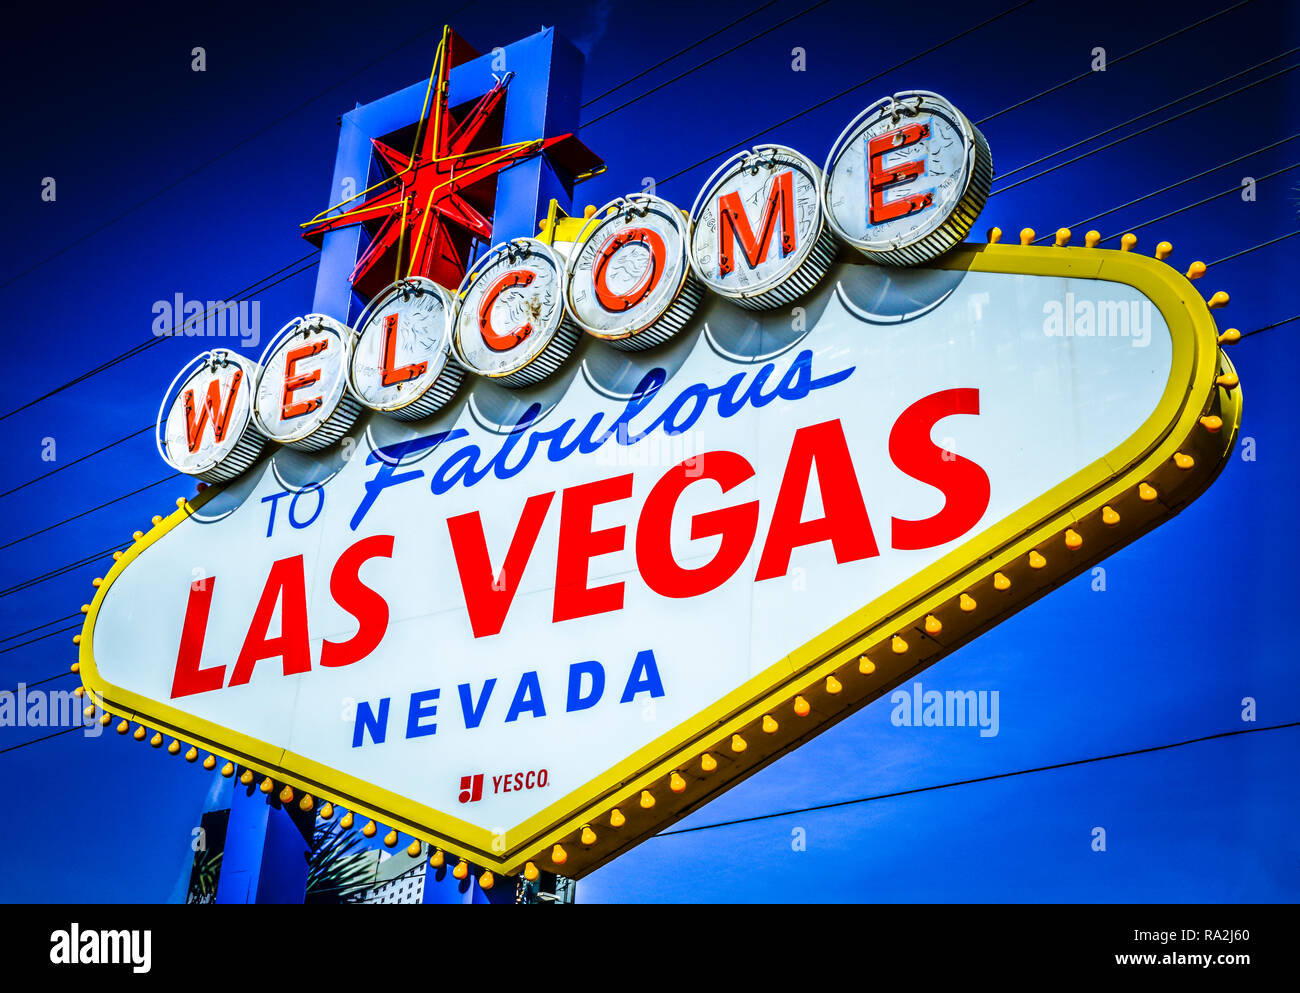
column 441, row 887
column 265, row 854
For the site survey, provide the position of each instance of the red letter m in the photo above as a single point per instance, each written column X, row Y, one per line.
column 733, row 222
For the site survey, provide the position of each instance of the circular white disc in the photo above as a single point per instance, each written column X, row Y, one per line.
column 208, row 413
column 512, row 309
column 303, row 378
column 901, row 171
column 628, row 267
column 403, row 344
column 771, row 184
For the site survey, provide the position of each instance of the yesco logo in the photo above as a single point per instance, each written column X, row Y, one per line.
column 471, row 787
column 903, row 184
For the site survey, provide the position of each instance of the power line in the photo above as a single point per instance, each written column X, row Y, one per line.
column 817, row 106
column 130, row 353
column 708, row 61
column 32, row 641
column 977, row 779
column 1067, row 82
column 84, row 513
column 411, row 38
column 1148, row 113
column 681, row 51
column 19, row 634
column 1254, row 248
column 69, row 465
column 41, row 682
column 1270, row 327
column 1142, row 131
column 1166, row 189
column 1115, row 61
column 1200, row 203
column 59, row 571
column 47, row 737
column 163, row 336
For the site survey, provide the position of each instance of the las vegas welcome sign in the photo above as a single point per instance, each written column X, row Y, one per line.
column 531, row 567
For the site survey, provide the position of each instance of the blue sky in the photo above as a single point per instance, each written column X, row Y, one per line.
column 1195, row 616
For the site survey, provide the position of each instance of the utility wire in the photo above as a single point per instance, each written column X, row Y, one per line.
column 723, row 54
column 19, row 634
column 32, row 641
column 1166, row 189
column 409, row 39
column 24, row 744
column 42, row 577
column 165, row 335
column 681, row 51
column 1270, row 327
column 1148, row 113
column 413, row 37
column 106, row 503
column 977, row 779
column 831, row 99
column 311, row 256
column 1141, row 131
column 675, row 175
column 1201, row 203
column 69, row 465
column 139, row 348
column 1254, row 248
column 1067, row 82
column 1115, row 61
column 41, row 682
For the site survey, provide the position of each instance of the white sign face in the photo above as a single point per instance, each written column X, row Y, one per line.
column 401, row 362
column 511, row 325
column 300, row 392
column 507, row 601
column 757, row 233
column 628, row 273
column 906, row 180
column 205, row 419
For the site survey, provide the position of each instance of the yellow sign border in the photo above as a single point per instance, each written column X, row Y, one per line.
column 1056, row 536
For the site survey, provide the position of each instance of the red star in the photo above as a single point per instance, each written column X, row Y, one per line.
column 438, row 202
